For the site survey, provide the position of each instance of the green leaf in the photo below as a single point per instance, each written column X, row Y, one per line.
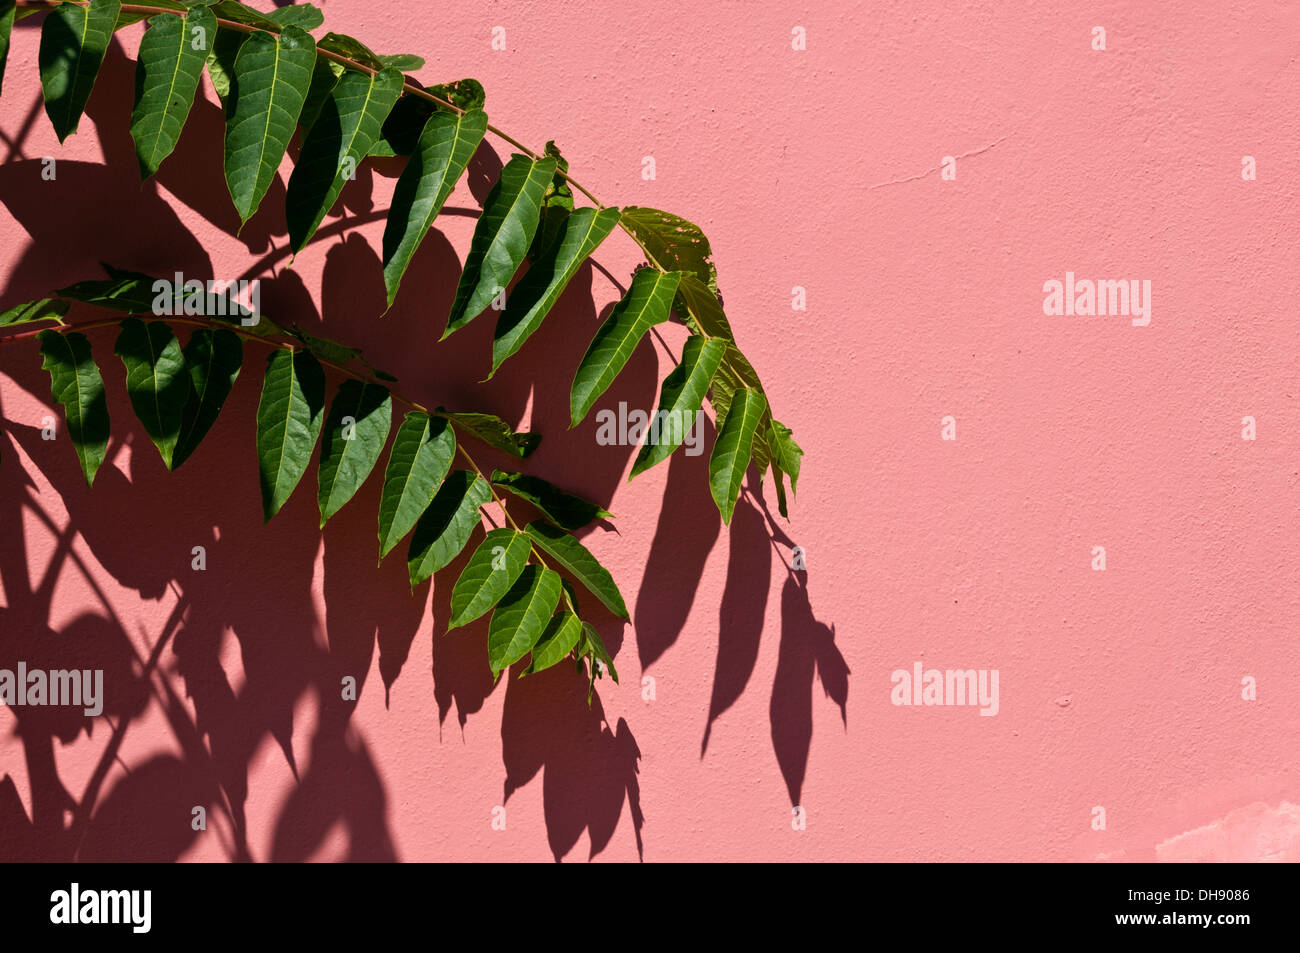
column 563, row 509
column 239, row 13
column 488, row 575
column 546, row 280
column 75, row 383
column 521, row 618
column 214, row 359
column 221, row 61
column 350, row 47
column 785, row 452
column 731, row 451
column 167, row 71
column 406, row 62
column 593, row 649
column 288, row 423
column 496, row 433
column 648, row 302
column 579, row 561
column 558, row 640
column 74, row 40
column 128, row 292
column 354, row 437
column 156, row 380
column 270, row 83
column 671, row 243
column 347, row 127
column 501, row 238
column 445, row 148
column 680, row 401
column 447, row 524
column 45, row 309
column 6, row 28
column 324, row 348
column 421, row 456
column 302, row 15
column 700, row 308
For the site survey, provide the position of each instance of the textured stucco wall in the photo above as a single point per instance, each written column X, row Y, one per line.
column 820, row 168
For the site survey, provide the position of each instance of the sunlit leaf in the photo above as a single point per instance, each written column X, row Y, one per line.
column 76, row 384
column 419, row 460
column 521, row 616
column 488, row 575
column 289, row 417
column 355, row 432
column 447, row 524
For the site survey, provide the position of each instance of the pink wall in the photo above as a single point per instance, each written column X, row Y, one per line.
column 821, row 168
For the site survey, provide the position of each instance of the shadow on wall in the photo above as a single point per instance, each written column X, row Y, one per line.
column 141, row 530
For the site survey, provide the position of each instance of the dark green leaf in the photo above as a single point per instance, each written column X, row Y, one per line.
column 579, row 561
column 347, row 127
column 156, row 380
column 558, row 640
column 240, row 13
column 445, row 148
column 731, row 451
column 298, row 14
column 488, row 575
column 521, row 618
column 647, row 303
column 356, row 430
column 288, row 423
column 74, row 40
column 214, row 359
column 421, row 456
column 446, row 525
column 496, row 433
column 546, row 280
column 563, row 509
column 128, row 292
column 680, row 401
column 271, row 78
column 75, row 383
column 167, row 71
column 501, row 238
column 46, row 309
column 324, row 348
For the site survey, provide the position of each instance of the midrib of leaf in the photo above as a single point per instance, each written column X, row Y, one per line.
column 288, row 413
column 370, row 91
column 76, row 377
column 270, row 108
column 180, row 441
column 361, row 402
column 153, row 374
column 171, row 88
column 76, row 65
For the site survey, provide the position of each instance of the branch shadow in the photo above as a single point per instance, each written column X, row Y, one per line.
column 252, row 603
